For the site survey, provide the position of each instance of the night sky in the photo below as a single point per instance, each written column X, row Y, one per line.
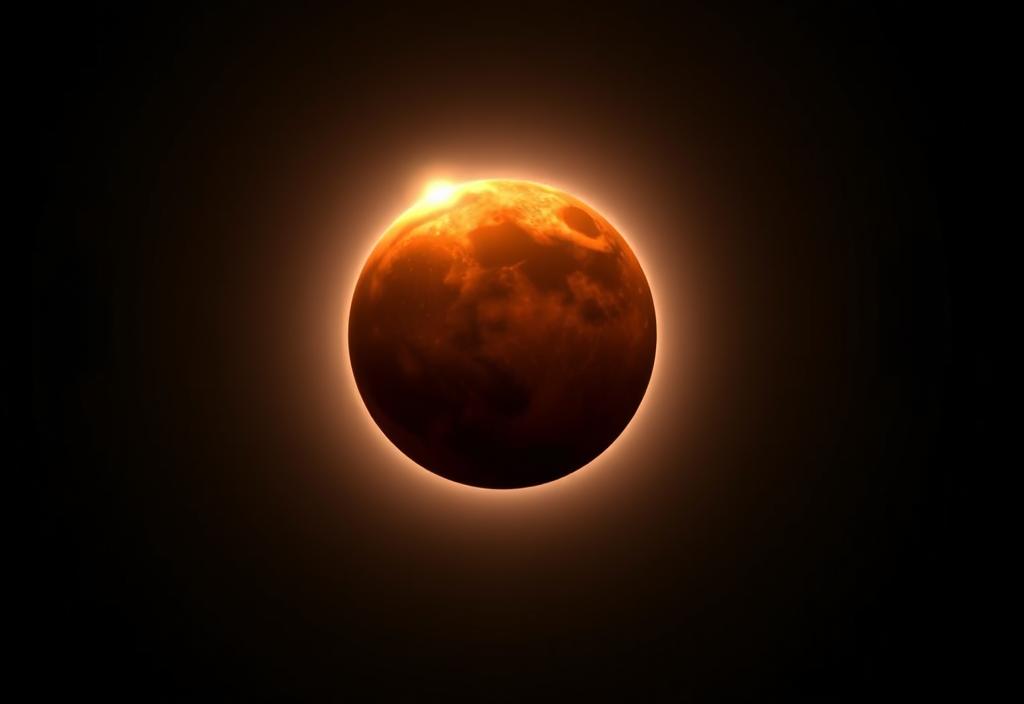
column 219, row 519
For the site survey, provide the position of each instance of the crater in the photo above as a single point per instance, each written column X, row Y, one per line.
column 579, row 220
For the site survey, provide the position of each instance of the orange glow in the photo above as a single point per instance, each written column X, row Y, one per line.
column 667, row 247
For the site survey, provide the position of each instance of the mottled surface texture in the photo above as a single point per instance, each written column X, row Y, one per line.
column 503, row 338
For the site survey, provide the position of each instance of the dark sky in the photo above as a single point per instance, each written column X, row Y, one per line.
column 205, row 540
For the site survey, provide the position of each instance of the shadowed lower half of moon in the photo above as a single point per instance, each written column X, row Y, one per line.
column 504, row 337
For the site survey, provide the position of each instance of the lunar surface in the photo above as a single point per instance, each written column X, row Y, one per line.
column 502, row 333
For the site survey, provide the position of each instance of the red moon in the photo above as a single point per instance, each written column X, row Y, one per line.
column 502, row 333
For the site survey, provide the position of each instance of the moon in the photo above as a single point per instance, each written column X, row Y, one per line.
column 502, row 333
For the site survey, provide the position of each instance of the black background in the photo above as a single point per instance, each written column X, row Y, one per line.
column 817, row 555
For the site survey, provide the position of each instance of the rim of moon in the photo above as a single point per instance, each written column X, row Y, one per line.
column 502, row 333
